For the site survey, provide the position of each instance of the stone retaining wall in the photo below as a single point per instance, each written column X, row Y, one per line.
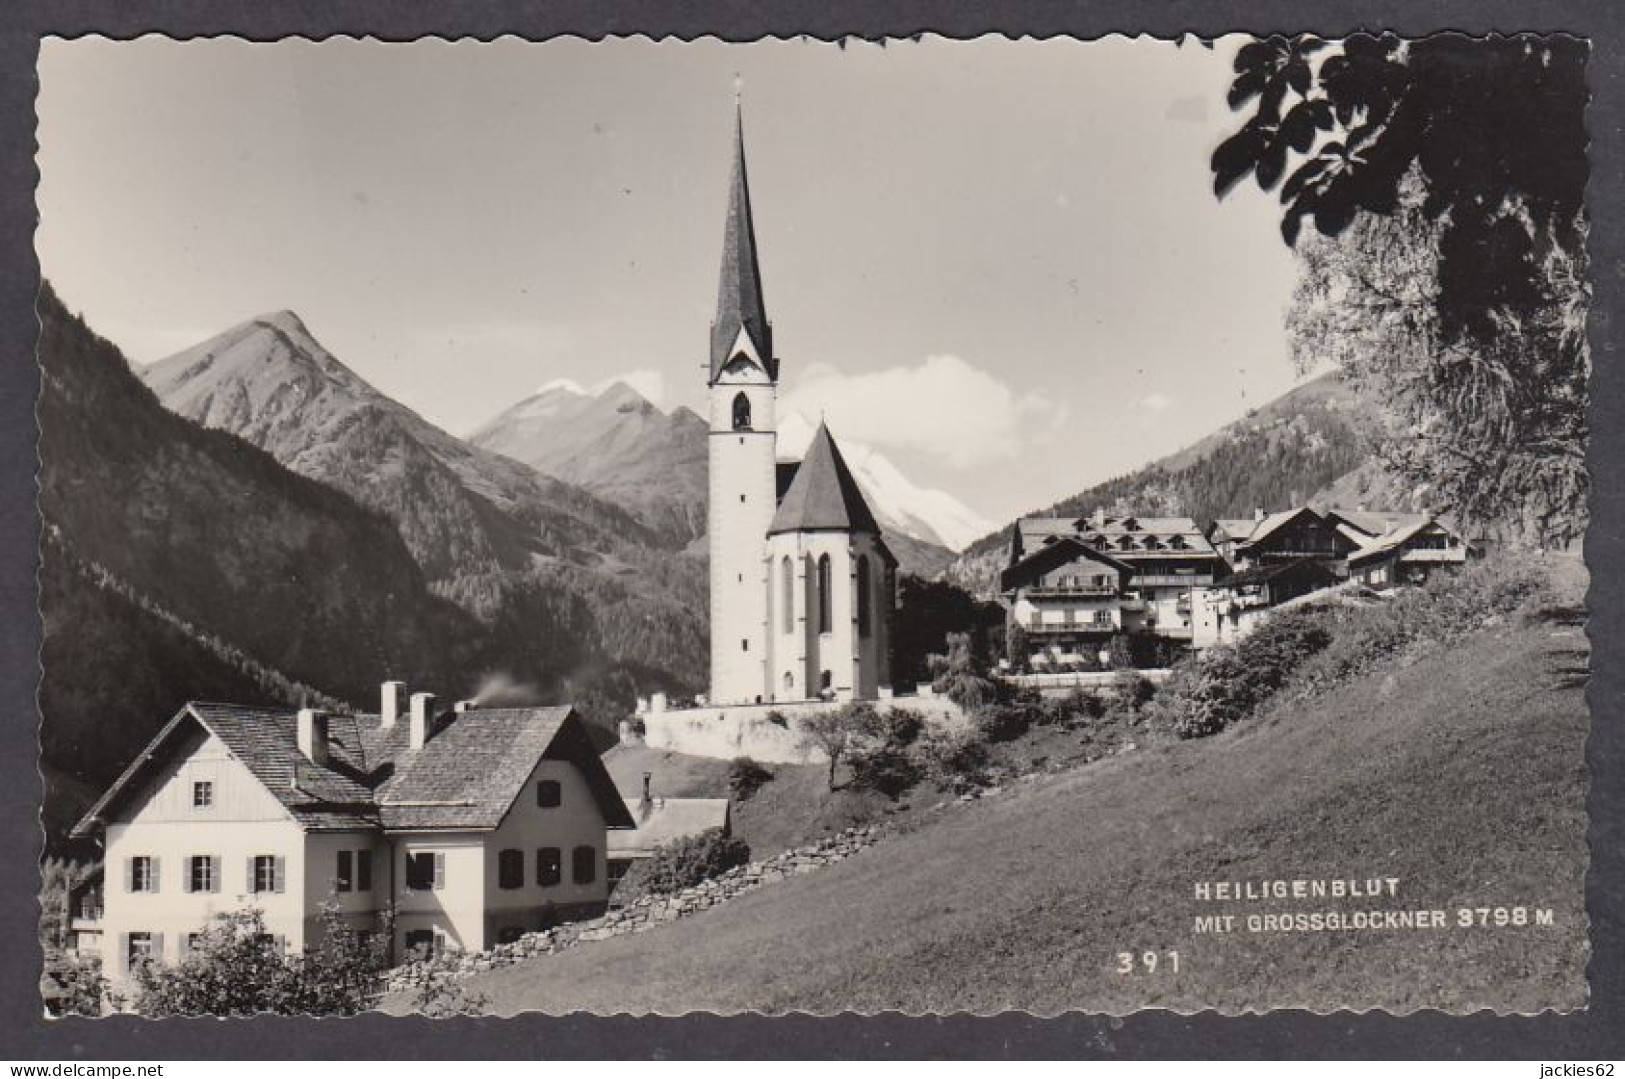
column 651, row 911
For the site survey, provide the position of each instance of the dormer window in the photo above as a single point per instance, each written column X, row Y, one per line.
column 741, row 411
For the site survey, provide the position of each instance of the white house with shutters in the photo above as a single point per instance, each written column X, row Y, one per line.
column 476, row 825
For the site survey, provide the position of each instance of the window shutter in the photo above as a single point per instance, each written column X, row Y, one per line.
column 155, row 864
column 253, row 886
column 363, row 871
column 188, row 872
column 124, row 953
column 157, row 947
column 129, row 874
column 278, row 871
column 439, row 871
column 214, row 872
column 344, row 878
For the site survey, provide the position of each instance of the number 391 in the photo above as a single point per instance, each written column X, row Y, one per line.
column 1147, row 962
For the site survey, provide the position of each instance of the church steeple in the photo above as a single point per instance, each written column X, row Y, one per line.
column 740, row 308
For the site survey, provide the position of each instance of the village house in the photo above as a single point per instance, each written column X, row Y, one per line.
column 1288, row 536
column 476, row 825
column 1235, row 606
column 1073, row 582
column 1408, row 552
column 661, row 821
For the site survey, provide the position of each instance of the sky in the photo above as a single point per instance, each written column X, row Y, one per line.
column 999, row 263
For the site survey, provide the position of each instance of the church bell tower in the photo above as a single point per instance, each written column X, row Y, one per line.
column 743, row 385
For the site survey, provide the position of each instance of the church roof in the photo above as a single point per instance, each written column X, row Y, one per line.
column 823, row 497
column 739, row 291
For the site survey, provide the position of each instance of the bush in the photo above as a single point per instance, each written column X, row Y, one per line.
column 1133, row 690
column 683, row 863
column 237, row 968
column 73, row 984
column 1227, row 682
column 952, row 758
column 1004, row 722
column 746, row 777
column 887, row 768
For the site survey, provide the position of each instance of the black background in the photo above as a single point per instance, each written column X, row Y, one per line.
column 1597, row 1033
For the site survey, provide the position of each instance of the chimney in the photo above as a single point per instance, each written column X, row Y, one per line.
column 1258, row 514
column 389, row 703
column 648, row 799
column 462, row 706
column 422, row 716
column 1100, row 518
column 313, row 735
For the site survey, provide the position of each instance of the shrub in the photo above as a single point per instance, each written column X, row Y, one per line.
column 237, row 968
column 887, row 768
column 73, row 984
column 1004, row 722
column 1133, row 690
column 952, row 758
column 746, row 777
column 1227, row 682
column 684, row 863
column 897, row 727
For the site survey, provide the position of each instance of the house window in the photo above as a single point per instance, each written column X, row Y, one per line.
column 202, row 794
column 203, row 873
column 741, row 412
column 422, row 943
column 511, row 869
column 826, row 621
column 548, row 793
column 265, row 873
column 425, row 871
column 143, row 875
column 744, row 644
column 142, row 948
column 346, row 871
column 192, row 942
column 549, row 866
column 363, row 870
column 584, row 864
column 863, row 595
column 1103, row 618
column 789, row 595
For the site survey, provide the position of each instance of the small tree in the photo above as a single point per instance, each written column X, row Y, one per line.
column 832, row 732
column 1018, row 645
column 746, row 777
column 683, row 863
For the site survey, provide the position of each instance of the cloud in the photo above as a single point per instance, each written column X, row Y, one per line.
column 647, row 381
column 944, row 406
column 1155, row 402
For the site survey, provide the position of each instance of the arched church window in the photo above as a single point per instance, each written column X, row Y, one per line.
column 863, row 595
column 789, row 590
column 741, row 412
column 826, row 620
column 789, row 680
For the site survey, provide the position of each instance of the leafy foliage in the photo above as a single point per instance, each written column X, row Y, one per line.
column 928, row 611
column 1226, row 682
column 960, row 674
column 745, row 778
column 683, row 863
column 236, row 967
column 1452, row 172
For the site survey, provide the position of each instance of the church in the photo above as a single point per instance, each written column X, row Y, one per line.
column 802, row 584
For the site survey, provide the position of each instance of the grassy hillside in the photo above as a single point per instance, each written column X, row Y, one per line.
column 1023, row 900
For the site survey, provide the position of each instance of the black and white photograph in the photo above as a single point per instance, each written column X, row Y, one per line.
column 920, row 526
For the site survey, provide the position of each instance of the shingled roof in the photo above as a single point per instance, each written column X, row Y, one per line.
column 823, row 496
column 739, row 289
column 465, row 777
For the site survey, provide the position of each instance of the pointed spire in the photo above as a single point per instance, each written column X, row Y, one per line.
column 739, row 292
column 824, row 496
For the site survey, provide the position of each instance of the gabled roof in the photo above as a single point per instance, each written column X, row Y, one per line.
column 1274, row 521
column 663, row 820
column 469, row 774
column 265, row 741
column 1376, row 522
column 1050, row 555
column 1393, row 541
column 739, row 289
column 1145, row 535
column 466, row 776
column 1236, row 528
column 823, row 496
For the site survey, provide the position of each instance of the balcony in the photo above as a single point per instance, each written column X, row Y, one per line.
column 1070, row 627
column 1065, row 591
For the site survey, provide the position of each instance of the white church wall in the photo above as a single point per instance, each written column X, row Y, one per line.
column 756, row 731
